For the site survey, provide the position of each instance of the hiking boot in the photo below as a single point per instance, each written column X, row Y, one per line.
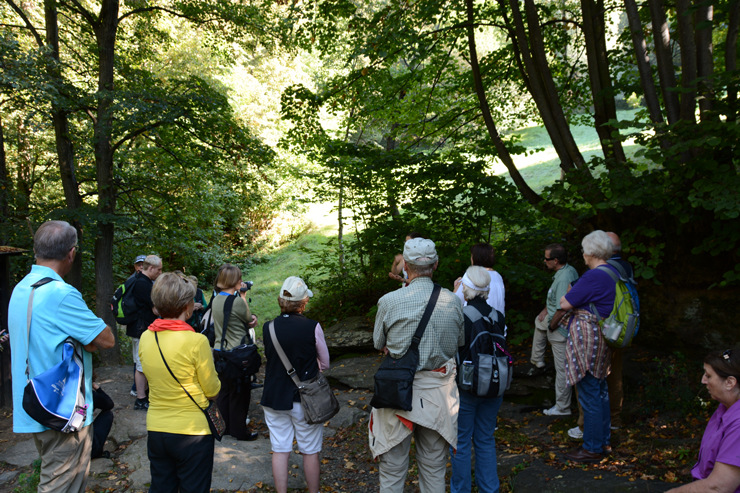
column 556, row 411
column 582, row 455
column 575, row 433
column 141, row 404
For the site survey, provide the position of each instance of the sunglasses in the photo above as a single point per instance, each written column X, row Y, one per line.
column 549, row 259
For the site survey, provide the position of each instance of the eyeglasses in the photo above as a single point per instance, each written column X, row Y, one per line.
column 726, row 354
column 76, row 248
column 549, row 259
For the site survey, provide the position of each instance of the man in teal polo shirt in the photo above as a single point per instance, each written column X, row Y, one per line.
column 546, row 326
column 58, row 312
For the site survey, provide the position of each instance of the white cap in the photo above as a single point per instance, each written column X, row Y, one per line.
column 294, row 289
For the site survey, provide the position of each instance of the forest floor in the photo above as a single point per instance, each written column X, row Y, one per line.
column 653, row 451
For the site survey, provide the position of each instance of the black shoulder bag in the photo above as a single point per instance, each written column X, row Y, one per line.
column 215, row 422
column 241, row 362
column 394, row 380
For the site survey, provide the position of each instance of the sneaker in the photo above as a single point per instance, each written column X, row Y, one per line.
column 140, row 404
column 133, row 389
column 615, row 428
column 538, row 364
column 556, row 411
column 575, row 433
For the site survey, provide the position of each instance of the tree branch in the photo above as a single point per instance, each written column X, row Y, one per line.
column 25, row 19
column 136, row 133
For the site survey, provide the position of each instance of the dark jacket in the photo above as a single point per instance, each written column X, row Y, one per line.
column 142, row 291
column 296, row 335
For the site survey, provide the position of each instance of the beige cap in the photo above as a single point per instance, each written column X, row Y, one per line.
column 294, row 289
column 419, row 251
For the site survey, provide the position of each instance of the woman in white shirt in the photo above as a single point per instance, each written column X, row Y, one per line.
column 482, row 254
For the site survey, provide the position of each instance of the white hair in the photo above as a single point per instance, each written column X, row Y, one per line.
column 598, row 244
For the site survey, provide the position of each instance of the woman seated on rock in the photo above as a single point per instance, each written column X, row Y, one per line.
column 302, row 341
column 718, row 466
column 179, row 445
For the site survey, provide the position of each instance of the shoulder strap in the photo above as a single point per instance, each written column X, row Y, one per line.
column 227, row 314
column 35, row 285
column 156, row 337
column 425, row 318
column 611, row 273
column 289, row 369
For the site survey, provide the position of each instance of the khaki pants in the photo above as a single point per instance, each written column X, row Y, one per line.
column 65, row 460
column 431, row 457
column 557, row 341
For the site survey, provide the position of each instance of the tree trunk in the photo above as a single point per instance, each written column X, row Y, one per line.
column 503, row 153
column 664, row 60
column 4, row 182
column 704, row 59
column 536, row 85
column 733, row 26
column 605, row 109
column 105, row 33
column 688, row 60
column 643, row 62
column 65, row 151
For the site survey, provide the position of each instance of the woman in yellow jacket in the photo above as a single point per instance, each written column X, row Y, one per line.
column 180, row 445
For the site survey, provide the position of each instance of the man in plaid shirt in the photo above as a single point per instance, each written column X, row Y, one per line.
column 433, row 420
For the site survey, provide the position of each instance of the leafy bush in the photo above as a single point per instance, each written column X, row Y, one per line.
column 29, row 482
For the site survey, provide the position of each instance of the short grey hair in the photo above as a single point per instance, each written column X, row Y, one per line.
column 598, row 244
column 480, row 277
column 420, row 270
column 53, row 240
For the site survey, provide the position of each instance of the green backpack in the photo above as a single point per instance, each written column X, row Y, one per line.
column 620, row 327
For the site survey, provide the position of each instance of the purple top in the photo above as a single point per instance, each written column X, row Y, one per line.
column 720, row 443
column 594, row 287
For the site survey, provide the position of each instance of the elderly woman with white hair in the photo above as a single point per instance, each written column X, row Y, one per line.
column 477, row 418
column 587, row 356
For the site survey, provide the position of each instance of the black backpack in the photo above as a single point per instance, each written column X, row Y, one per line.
column 123, row 304
column 485, row 367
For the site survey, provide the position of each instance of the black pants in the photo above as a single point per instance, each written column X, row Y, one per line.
column 181, row 463
column 101, row 428
column 233, row 404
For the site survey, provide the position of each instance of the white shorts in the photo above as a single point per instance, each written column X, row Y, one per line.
column 135, row 347
column 284, row 425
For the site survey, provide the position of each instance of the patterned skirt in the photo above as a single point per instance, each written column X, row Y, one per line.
column 585, row 350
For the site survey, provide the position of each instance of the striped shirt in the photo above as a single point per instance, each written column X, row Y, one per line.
column 398, row 317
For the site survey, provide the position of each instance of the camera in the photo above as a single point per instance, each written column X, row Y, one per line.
column 247, row 285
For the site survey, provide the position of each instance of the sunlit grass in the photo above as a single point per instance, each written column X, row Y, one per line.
column 274, row 267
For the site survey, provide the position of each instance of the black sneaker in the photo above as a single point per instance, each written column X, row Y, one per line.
column 140, row 404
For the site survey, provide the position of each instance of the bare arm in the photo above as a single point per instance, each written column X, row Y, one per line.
column 557, row 316
column 723, row 479
column 542, row 314
column 104, row 340
column 565, row 305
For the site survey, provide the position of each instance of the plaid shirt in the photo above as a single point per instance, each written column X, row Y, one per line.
column 398, row 317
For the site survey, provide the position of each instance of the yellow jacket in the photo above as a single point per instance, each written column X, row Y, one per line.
column 189, row 357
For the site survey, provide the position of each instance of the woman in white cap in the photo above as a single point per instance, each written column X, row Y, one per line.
column 303, row 342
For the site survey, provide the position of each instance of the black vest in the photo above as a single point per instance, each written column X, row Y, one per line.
column 296, row 335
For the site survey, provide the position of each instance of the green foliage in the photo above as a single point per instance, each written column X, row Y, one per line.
column 29, row 482
column 674, row 386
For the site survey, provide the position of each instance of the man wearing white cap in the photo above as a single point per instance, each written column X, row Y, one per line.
column 434, row 425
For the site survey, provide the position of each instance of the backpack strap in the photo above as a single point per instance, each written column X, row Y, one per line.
column 228, row 305
column 622, row 271
column 611, row 273
column 425, row 318
column 35, row 285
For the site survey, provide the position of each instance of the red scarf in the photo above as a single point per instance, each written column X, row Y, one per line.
column 161, row 324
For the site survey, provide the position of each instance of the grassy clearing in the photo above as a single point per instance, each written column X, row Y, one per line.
column 272, row 269
column 542, row 168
